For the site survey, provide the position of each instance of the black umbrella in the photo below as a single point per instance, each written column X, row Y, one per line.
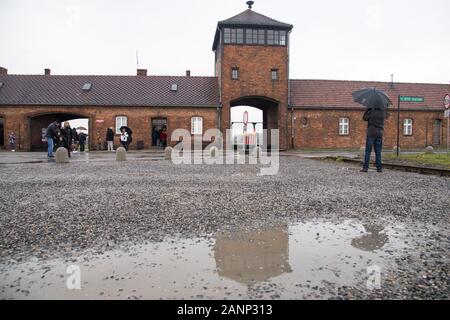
column 128, row 130
column 372, row 98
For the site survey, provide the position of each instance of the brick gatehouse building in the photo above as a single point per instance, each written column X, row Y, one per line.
column 251, row 69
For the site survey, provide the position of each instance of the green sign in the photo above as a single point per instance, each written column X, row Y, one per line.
column 411, row 99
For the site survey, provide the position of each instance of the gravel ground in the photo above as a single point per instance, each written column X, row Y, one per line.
column 50, row 210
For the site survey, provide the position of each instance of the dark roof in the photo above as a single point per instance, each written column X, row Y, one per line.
column 249, row 18
column 252, row 18
column 338, row 93
column 109, row 90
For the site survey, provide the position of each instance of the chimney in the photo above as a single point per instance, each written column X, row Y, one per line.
column 3, row 71
column 141, row 72
column 392, row 81
column 47, row 71
column 188, row 73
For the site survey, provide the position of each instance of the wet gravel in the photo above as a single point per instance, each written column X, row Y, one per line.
column 51, row 210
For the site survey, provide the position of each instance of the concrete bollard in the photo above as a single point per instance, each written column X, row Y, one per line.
column 121, row 154
column 362, row 152
column 168, row 153
column 429, row 150
column 394, row 150
column 61, row 155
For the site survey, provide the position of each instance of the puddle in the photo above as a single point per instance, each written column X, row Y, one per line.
column 305, row 260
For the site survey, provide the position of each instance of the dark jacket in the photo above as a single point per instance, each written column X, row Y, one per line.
column 82, row 138
column 75, row 135
column 52, row 131
column 109, row 135
column 375, row 122
column 67, row 137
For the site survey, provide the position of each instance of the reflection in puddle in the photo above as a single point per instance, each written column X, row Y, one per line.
column 253, row 256
column 374, row 239
column 305, row 260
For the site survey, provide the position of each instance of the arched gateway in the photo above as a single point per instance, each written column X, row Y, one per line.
column 38, row 124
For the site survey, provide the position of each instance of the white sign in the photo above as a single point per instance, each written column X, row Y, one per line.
column 447, row 113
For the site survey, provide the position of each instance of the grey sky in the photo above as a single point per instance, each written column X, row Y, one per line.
column 348, row 39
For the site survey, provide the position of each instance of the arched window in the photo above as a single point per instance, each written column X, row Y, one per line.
column 344, row 126
column 121, row 121
column 196, row 125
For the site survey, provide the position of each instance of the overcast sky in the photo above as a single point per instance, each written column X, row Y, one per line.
column 347, row 39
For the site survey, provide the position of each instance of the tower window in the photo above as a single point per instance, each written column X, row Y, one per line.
column 227, row 35
column 254, row 36
column 274, row 74
column 251, row 36
column 282, row 38
column 261, row 37
column 240, row 36
column 235, row 74
column 270, row 37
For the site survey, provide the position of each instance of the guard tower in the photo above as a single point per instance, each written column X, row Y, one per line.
column 252, row 65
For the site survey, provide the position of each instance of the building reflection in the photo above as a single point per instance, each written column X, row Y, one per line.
column 253, row 256
column 373, row 239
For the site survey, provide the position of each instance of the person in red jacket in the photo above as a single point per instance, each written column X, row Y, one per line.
column 163, row 137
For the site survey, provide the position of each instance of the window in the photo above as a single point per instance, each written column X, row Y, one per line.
column 254, row 36
column 282, row 38
column 407, row 127
column 274, row 74
column 261, row 37
column 196, row 125
column 227, row 35
column 240, row 36
column 235, row 74
column 87, row 86
column 120, row 121
column 270, row 37
column 343, row 126
column 251, row 36
column 174, row 87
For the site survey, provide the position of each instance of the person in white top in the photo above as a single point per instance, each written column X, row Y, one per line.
column 124, row 139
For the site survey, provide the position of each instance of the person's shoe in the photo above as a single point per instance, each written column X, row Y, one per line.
column 52, row 156
column 380, row 170
column 364, row 170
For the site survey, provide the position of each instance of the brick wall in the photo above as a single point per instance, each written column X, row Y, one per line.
column 321, row 129
column 22, row 120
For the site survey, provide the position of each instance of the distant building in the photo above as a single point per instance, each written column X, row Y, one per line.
column 251, row 68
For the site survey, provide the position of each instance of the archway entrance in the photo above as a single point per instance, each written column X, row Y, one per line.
column 257, row 122
column 39, row 124
column 250, row 134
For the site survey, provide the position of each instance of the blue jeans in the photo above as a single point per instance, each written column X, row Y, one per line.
column 49, row 147
column 377, row 143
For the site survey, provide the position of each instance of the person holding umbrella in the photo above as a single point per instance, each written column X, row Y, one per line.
column 376, row 102
column 126, row 136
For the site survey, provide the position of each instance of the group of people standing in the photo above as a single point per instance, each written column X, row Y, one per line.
column 64, row 136
column 126, row 137
column 159, row 137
